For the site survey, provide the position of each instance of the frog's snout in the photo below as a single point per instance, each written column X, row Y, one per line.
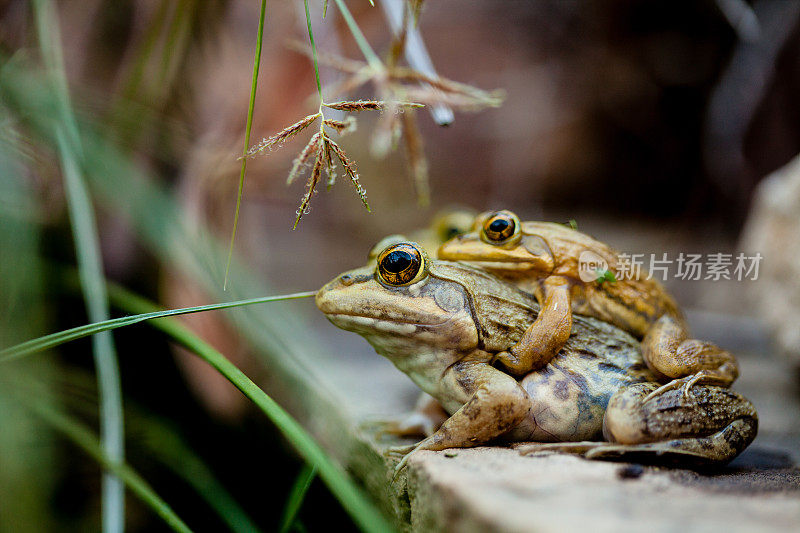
column 337, row 291
column 323, row 299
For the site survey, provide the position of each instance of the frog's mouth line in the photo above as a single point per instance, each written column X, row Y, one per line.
column 372, row 319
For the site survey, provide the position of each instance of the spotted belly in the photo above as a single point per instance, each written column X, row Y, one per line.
column 569, row 396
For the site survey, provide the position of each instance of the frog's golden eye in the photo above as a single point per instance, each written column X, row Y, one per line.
column 501, row 227
column 401, row 264
column 385, row 243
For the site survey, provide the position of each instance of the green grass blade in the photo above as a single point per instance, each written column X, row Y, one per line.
column 369, row 54
column 248, row 127
column 84, row 439
column 296, row 496
column 90, row 267
column 352, row 499
column 314, row 49
column 54, row 339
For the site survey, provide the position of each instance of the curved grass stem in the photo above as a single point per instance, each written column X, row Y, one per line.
column 84, row 228
column 248, row 126
column 54, row 339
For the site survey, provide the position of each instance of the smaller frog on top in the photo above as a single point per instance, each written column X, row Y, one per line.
column 543, row 258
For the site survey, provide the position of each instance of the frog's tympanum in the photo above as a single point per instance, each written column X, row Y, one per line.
column 443, row 324
column 544, row 259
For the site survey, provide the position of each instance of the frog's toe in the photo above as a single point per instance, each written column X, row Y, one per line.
column 579, row 448
column 400, row 451
column 680, row 383
column 691, row 381
column 400, row 466
column 667, row 452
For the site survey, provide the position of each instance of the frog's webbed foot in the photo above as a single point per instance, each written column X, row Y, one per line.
column 661, row 424
column 669, row 354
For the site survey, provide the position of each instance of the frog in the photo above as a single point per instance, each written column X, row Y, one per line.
column 550, row 261
column 442, row 323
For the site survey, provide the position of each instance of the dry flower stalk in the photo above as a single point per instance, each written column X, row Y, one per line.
column 341, row 127
column 284, row 134
column 301, row 160
column 330, row 170
column 397, row 76
column 401, row 89
column 349, row 168
column 463, row 102
column 322, row 148
column 361, row 105
column 311, row 186
column 398, row 83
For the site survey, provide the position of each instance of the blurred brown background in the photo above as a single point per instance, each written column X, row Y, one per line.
column 650, row 123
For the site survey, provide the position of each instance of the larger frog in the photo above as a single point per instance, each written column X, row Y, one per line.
column 443, row 323
column 546, row 259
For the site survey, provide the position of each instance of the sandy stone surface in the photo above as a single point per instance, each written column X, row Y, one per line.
column 494, row 489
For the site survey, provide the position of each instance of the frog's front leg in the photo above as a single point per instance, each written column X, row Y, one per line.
column 714, row 425
column 546, row 336
column 494, row 403
column 690, row 362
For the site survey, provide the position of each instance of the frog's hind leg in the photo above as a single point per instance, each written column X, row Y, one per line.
column 688, row 362
column 713, row 425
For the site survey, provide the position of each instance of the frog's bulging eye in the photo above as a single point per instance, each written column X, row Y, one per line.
column 501, row 227
column 401, row 264
column 385, row 243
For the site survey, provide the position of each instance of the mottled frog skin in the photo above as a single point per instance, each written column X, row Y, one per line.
column 543, row 258
column 443, row 323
